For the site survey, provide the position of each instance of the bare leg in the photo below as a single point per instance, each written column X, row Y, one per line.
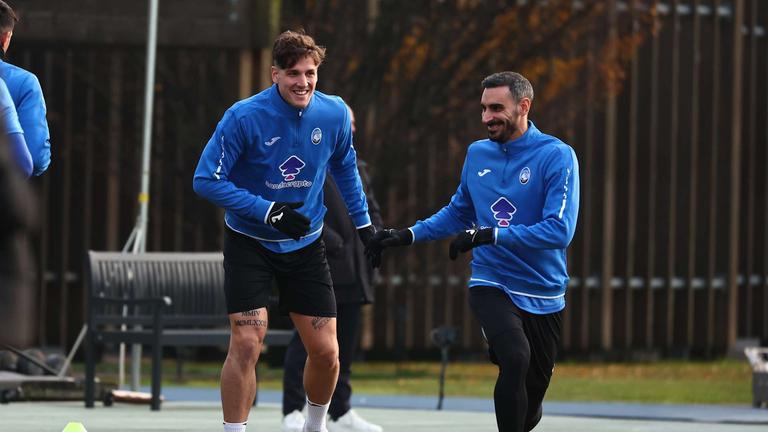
column 322, row 369
column 238, row 376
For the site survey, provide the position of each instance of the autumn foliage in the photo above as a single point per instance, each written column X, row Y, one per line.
column 412, row 69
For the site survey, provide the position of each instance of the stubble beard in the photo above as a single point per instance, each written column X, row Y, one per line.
column 504, row 134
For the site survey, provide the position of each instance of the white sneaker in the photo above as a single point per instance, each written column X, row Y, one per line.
column 351, row 422
column 306, row 429
column 293, row 422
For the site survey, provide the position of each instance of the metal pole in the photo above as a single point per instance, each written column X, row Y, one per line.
column 443, row 367
column 72, row 351
column 141, row 239
column 609, row 206
column 139, row 234
column 734, row 208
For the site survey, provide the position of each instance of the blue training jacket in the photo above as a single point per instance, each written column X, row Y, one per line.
column 528, row 190
column 9, row 121
column 30, row 105
column 265, row 151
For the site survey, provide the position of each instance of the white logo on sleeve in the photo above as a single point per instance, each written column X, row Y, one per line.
column 272, row 141
column 217, row 173
column 277, row 217
column 483, row 172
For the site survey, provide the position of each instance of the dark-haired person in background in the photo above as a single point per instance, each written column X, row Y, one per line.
column 352, row 277
column 18, row 218
column 27, row 96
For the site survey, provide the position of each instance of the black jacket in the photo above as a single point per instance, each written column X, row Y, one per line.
column 351, row 273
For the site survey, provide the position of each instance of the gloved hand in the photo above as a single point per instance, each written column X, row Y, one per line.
column 288, row 221
column 469, row 239
column 384, row 239
column 366, row 234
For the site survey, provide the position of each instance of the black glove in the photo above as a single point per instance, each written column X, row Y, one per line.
column 469, row 239
column 288, row 221
column 366, row 234
column 384, row 239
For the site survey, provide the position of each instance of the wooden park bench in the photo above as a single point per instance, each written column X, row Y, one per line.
column 158, row 299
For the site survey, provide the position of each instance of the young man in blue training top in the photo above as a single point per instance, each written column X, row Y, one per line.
column 27, row 96
column 517, row 204
column 266, row 165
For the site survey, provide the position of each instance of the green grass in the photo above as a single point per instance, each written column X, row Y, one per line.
column 722, row 382
column 719, row 382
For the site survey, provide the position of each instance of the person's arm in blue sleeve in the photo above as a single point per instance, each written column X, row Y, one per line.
column 31, row 110
column 211, row 180
column 9, row 122
column 343, row 167
column 20, row 153
column 561, row 208
column 457, row 216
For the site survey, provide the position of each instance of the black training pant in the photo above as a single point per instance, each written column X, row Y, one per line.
column 524, row 345
column 347, row 330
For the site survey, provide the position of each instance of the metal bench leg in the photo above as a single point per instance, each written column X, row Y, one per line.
column 157, row 369
column 157, row 358
column 90, row 369
column 156, row 376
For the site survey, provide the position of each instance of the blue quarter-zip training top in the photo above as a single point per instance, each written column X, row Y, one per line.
column 30, row 105
column 265, row 151
column 527, row 189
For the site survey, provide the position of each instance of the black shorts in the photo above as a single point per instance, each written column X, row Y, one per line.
column 303, row 277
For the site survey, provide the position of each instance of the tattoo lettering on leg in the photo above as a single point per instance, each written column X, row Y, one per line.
column 319, row 322
column 251, row 322
column 246, row 321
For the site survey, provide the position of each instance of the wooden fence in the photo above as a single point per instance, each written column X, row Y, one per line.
column 671, row 251
column 670, row 255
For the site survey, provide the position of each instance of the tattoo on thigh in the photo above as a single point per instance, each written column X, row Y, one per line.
column 253, row 322
column 319, row 322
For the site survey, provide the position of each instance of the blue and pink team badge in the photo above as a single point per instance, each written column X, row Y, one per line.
column 291, row 168
column 503, row 210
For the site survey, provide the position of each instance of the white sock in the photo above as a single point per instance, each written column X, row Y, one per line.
column 234, row 427
column 316, row 416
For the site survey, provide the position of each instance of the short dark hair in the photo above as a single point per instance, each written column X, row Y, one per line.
column 8, row 18
column 518, row 85
column 292, row 46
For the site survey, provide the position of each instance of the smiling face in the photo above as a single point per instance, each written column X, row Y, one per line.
column 504, row 118
column 296, row 84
